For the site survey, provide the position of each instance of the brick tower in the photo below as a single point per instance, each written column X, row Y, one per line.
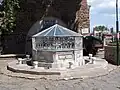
column 82, row 17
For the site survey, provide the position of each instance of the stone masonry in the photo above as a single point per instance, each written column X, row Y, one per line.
column 74, row 13
column 82, row 16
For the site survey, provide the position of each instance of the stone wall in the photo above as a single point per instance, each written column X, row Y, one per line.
column 74, row 13
column 111, row 54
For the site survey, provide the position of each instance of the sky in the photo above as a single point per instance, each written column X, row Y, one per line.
column 102, row 12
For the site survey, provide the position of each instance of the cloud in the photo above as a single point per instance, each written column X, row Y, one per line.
column 103, row 12
column 103, row 6
column 94, row 3
column 107, row 4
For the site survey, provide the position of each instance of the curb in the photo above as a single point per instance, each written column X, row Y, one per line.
column 100, row 68
column 11, row 55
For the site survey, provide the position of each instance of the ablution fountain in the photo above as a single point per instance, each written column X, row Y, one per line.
column 56, row 51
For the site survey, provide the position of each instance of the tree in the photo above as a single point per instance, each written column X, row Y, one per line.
column 101, row 31
column 8, row 12
column 100, row 28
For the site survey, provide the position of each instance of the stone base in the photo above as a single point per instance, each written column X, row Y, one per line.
column 61, row 64
column 24, row 70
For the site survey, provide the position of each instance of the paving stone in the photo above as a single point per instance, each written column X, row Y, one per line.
column 106, row 82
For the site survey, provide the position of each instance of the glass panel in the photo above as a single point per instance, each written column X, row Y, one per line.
column 42, row 34
column 59, row 32
column 51, row 33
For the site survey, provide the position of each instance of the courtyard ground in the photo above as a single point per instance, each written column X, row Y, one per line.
column 110, row 81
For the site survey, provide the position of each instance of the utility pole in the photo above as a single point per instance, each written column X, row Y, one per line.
column 117, row 31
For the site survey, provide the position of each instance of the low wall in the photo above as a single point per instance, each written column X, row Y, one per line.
column 111, row 54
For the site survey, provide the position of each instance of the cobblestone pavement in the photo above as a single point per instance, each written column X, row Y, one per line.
column 107, row 82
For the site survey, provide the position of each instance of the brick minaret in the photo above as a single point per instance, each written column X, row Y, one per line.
column 82, row 16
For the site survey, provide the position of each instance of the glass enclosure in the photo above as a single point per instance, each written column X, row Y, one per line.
column 57, row 46
column 57, row 38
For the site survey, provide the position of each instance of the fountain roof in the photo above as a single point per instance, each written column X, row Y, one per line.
column 56, row 30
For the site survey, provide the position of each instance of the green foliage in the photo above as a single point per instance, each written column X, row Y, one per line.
column 100, row 28
column 9, row 11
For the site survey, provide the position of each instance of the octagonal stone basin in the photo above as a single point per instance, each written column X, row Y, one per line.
column 61, row 73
